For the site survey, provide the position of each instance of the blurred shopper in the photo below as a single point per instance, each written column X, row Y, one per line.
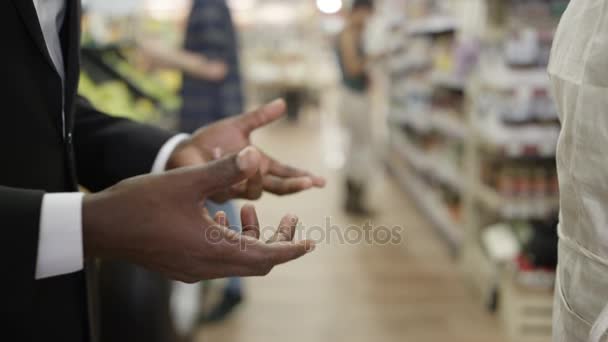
column 52, row 140
column 355, row 108
column 211, row 34
column 212, row 90
column 579, row 73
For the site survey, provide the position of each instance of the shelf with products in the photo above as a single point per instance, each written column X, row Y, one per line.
column 426, row 133
column 442, row 162
column 115, row 75
column 513, row 207
column 489, row 94
column 433, row 25
column 512, row 170
column 446, row 217
column 107, row 81
column 523, row 250
column 449, row 123
column 521, row 142
column 444, row 122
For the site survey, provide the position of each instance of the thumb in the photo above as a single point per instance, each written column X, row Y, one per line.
column 262, row 116
column 223, row 173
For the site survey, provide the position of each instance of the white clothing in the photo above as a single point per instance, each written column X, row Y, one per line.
column 579, row 74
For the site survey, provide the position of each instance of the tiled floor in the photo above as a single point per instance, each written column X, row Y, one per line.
column 408, row 292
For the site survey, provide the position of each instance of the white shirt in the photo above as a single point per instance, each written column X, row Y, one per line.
column 60, row 244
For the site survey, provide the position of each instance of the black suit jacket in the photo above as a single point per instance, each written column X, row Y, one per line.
column 36, row 158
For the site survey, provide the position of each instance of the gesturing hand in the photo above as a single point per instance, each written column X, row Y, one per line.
column 159, row 222
column 232, row 135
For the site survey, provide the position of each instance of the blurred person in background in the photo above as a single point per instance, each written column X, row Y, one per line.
column 212, row 90
column 579, row 74
column 356, row 106
column 211, row 34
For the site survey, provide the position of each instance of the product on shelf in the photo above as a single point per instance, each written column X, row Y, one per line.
column 521, row 178
column 114, row 97
column 529, row 246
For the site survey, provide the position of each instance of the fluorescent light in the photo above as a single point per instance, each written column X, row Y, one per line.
column 329, row 6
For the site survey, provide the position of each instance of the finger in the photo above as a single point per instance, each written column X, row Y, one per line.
column 259, row 258
column 221, row 174
column 254, row 187
column 262, row 116
column 281, row 170
column 250, row 222
column 286, row 230
column 281, row 186
column 236, row 191
column 221, row 219
column 282, row 252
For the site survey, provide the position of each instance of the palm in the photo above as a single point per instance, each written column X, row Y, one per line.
column 231, row 136
column 226, row 135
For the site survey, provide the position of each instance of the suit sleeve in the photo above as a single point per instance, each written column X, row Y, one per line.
column 20, row 216
column 110, row 149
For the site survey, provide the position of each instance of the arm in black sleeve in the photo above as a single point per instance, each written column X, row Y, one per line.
column 110, row 149
column 20, row 222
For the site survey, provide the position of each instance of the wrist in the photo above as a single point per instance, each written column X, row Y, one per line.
column 95, row 216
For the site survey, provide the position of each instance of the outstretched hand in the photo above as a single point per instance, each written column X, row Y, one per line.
column 159, row 222
column 232, row 135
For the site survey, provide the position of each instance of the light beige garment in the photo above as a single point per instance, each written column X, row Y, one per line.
column 356, row 119
column 579, row 74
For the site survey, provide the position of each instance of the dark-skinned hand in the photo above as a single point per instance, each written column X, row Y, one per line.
column 232, row 135
column 159, row 222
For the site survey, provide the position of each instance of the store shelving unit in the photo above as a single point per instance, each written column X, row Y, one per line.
column 427, row 201
column 421, row 132
column 421, row 172
column 526, row 313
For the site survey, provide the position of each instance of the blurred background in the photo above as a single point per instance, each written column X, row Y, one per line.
column 455, row 128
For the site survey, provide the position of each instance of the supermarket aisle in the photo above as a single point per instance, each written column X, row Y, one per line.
column 410, row 292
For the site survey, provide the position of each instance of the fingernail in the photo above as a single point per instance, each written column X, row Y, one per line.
column 245, row 158
column 217, row 153
column 275, row 103
column 311, row 247
column 320, row 182
column 307, row 183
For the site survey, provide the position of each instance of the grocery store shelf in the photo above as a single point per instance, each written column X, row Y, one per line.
column 422, row 161
column 440, row 121
column 516, row 208
column 405, row 64
column 435, row 24
column 441, row 79
column 518, row 143
column 526, row 313
column 428, row 203
column 448, row 124
column 483, row 274
column 501, row 77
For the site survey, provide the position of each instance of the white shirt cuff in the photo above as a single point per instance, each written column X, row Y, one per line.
column 160, row 164
column 60, row 246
